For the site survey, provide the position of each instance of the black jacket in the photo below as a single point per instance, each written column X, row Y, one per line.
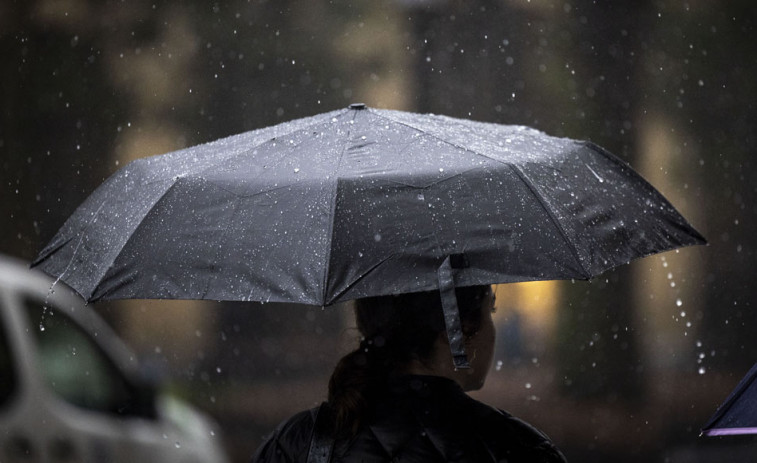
column 420, row 419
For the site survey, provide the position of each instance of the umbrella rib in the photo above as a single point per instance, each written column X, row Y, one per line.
column 127, row 238
column 358, row 279
column 320, row 120
column 698, row 238
column 76, row 248
column 332, row 215
column 436, row 137
column 534, row 191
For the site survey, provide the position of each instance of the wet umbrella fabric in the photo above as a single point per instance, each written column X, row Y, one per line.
column 738, row 414
column 360, row 202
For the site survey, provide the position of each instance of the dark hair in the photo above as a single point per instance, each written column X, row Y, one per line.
column 395, row 330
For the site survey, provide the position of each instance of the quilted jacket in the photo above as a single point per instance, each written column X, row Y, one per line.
column 420, row 419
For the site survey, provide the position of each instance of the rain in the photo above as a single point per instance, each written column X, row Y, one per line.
column 626, row 367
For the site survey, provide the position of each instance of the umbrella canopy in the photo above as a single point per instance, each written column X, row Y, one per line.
column 738, row 414
column 360, row 202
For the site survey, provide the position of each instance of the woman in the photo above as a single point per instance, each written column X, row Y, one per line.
column 398, row 397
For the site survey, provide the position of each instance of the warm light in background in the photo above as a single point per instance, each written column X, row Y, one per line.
column 530, row 308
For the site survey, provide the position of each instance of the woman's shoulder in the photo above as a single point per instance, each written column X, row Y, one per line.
column 506, row 434
column 446, row 412
column 289, row 442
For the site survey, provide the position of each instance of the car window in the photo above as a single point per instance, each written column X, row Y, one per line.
column 74, row 366
column 7, row 369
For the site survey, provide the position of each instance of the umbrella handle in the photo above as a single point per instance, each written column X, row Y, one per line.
column 446, row 273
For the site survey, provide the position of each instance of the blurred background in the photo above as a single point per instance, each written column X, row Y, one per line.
column 628, row 367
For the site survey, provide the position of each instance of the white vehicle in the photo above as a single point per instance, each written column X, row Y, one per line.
column 70, row 390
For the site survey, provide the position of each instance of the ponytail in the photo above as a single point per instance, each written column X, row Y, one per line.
column 350, row 386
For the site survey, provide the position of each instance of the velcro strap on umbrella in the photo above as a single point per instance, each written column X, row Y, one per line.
column 446, row 273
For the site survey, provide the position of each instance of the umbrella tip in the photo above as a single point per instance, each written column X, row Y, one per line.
column 357, row 106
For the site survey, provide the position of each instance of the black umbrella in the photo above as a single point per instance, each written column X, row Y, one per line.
column 738, row 414
column 361, row 202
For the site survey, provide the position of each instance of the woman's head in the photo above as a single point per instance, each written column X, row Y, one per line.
column 405, row 329
column 406, row 334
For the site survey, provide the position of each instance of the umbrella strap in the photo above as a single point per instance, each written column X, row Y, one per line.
column 447, row 272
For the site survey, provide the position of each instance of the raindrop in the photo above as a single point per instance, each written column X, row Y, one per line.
column 600, row 179
column 528, row 385
column 702, row 370
column 177, row 445
column 296, row 170
column 679, row 302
